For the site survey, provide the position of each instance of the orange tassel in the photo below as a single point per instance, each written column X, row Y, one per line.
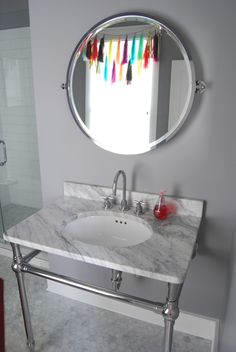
column 118, row 52
column 121, row 72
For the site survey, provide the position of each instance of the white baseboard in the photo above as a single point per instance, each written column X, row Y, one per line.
column 188, row 323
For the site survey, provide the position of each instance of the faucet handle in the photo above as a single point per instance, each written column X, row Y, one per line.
column 108, row 202
column 139, row 207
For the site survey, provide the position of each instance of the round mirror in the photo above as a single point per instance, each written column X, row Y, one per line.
column 130, row 84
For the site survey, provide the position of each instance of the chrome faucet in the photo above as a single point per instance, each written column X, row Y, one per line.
column 123, row 204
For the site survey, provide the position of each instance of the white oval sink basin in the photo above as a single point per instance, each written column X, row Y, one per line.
column 109, row 230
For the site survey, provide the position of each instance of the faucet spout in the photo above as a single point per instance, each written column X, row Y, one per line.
column 124, row 204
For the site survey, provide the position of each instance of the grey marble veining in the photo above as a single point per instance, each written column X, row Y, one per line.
column 165, row 256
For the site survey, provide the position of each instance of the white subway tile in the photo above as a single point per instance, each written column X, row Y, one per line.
column 18, row 125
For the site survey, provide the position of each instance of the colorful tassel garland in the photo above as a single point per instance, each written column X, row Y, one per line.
column 113, row 75
column 89, row 50
column 133, row 51
column 101, row 50
column 106, row 70
column 155, row 47
column 129, row 73
column 141, row 50
column 118, row 52
column 110, row 51
column 125, row 52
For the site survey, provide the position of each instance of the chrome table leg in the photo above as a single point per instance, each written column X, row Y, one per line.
column 17, row 260
column 170, row 314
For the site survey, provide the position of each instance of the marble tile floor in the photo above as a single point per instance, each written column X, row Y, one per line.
column 61, row 324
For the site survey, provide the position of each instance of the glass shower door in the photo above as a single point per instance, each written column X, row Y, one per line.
column 1, row 223
column 3, row 161
column 20, row 186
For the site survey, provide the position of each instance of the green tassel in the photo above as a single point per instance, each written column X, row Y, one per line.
column 140, row 48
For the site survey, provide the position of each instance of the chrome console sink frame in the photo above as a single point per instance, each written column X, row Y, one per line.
column 169, row 310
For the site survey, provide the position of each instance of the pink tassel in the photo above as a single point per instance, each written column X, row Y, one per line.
column 113, row 75
column 125, row 52
column 118, row 52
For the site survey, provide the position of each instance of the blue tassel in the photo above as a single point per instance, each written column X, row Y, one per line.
column 106, row 70
column 133, row 51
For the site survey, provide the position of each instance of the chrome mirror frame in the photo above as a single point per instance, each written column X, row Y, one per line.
column 193, row 85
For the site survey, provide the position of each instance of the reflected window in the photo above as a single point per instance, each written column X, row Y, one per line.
column 119, row 96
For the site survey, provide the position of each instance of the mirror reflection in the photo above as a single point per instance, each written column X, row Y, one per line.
column 129, row 84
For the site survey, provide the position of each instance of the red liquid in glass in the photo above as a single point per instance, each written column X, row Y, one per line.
column 161, row 212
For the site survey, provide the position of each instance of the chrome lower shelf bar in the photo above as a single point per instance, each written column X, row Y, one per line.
column 139, row 302
column 27, row 258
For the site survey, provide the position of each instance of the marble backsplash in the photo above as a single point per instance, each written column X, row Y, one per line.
column 183, row 206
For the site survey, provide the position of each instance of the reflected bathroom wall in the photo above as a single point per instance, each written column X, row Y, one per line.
column 20, row 186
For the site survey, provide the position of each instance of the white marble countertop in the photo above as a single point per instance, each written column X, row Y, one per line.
column 166, row 256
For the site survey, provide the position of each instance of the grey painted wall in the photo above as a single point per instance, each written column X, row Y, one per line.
column 199, row 162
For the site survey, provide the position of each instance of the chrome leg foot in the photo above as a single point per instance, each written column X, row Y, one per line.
column 17, row 261
column 170, row 314
column 31, row 346
column 116, row 279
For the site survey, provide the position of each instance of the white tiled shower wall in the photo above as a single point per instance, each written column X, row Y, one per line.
column 17, row 119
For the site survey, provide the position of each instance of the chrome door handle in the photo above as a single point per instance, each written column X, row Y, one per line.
column 3, row 162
